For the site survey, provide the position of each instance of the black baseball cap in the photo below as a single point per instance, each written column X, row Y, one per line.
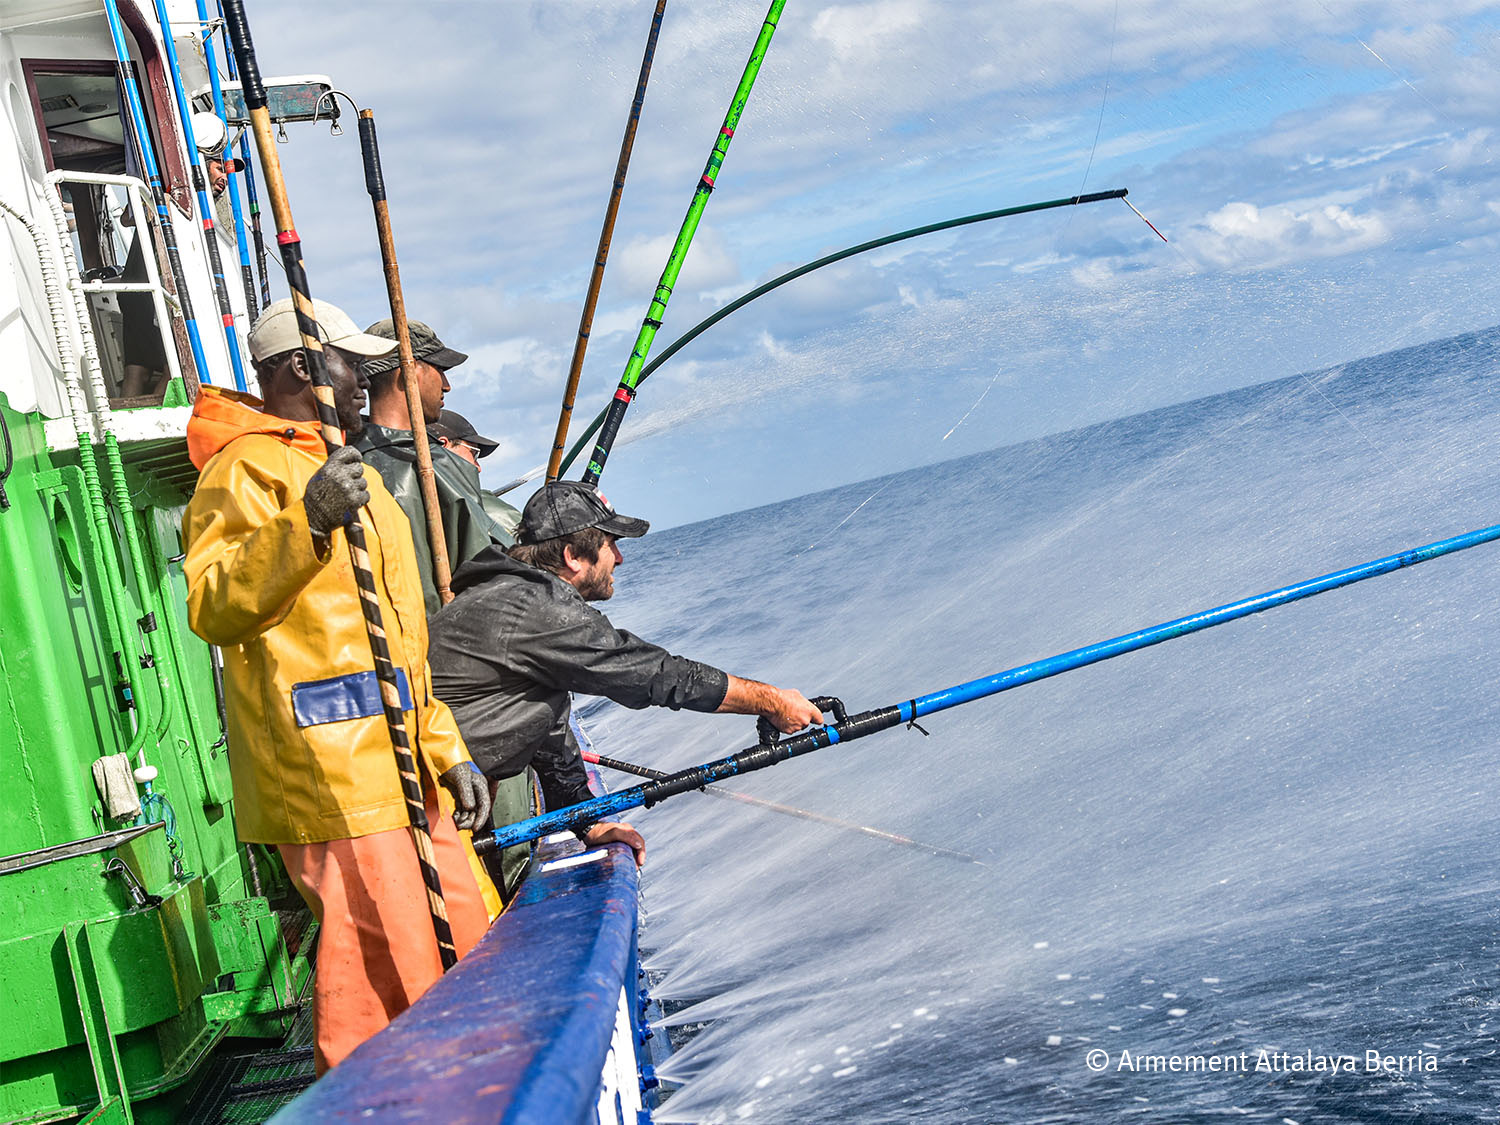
column 425, row 346
column 455, row 427
column 566, row 506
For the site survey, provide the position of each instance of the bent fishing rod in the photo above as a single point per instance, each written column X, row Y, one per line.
column 238, row 30
column 801, row 271
column 771, row 751
column 827, row 260
column 649, row 326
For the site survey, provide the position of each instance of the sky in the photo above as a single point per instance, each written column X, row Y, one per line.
column 1324, row 170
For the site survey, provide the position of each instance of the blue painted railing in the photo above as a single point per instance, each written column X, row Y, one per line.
column 519, row 1029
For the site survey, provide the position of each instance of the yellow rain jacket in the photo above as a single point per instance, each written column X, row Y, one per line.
column 310, row 762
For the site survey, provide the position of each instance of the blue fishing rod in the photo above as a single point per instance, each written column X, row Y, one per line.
column 771, row 750
column 205, row 202
column 209, row 58
column 154, row 178
column 252, row 196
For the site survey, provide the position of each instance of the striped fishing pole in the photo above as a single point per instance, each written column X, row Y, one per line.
column 238, row 30
column 626, row 391
column 210, row 59
column 252, row 197
column 601, row 255
column 772, row 751
column 158, row 192
column 827, row 260
column 205, row 200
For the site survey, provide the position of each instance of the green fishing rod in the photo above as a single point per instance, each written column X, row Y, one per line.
column 846, row 728
column 827, row 260
column 649, row 326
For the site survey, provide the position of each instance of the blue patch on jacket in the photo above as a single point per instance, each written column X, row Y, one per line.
column 355, row 696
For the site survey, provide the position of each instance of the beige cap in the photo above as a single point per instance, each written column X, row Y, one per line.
column 276, row 331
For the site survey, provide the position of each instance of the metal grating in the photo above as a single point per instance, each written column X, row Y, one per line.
column 248, row 1087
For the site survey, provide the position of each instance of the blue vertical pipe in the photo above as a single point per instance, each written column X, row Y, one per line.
column 205, row 201
column 252, row 307
column 250, row 191
column 159, row 193
column 857, row 726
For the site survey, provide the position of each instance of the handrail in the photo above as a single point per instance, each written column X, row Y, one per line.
column 137, row 195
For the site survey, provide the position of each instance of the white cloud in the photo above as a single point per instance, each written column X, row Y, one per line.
column 863, row 33
column 1243, row 236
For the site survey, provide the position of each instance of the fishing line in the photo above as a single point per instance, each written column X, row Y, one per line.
column 971, row 409
column 1103, row 101
column 846, row 519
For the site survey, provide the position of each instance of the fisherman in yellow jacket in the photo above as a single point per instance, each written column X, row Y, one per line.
column 270, row 582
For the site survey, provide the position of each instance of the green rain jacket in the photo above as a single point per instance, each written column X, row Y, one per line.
column 472, row 518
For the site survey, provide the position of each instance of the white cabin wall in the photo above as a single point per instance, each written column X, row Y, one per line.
column 30, row 372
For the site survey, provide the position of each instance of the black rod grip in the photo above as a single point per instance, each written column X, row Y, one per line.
column 370, row 149
column 607, row 433
column 238, row 30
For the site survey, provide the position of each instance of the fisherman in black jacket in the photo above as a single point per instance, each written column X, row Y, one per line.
column 520, row 635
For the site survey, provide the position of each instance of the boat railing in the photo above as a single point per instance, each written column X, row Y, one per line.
column 113, row 266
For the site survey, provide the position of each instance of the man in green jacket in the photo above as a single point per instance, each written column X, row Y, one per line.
column 389, row 449
column 468, row 526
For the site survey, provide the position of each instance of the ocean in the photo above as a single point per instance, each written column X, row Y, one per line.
column 1247, row 874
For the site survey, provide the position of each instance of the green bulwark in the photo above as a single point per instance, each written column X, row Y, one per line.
column 132, row 948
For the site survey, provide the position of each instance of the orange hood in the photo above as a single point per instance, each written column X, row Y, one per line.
column 221, row 415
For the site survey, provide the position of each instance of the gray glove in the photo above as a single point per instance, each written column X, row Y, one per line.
column 336, row 491
column 471, row 793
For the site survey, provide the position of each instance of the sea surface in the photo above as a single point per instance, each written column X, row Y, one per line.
column 1275, row 844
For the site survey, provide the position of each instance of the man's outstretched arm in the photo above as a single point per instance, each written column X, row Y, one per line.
column 786, row 709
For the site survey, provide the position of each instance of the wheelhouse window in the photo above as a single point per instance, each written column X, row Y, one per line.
column 83, row 116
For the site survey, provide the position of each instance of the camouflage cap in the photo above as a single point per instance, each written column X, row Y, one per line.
column 425, row 346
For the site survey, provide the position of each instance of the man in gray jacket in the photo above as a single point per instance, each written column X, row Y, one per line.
column 520, row 635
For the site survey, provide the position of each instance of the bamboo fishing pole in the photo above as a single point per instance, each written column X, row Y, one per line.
column 649, row 326
column 847, row 729
column 784, row 810
column 442, row 573
column 238, row 30
column 601, row 255
column 827, row 260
